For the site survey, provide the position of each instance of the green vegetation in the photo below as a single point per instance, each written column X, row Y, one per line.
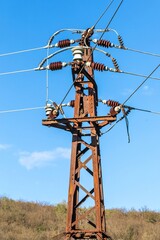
column 35, row 221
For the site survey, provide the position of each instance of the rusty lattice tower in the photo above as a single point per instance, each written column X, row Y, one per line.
column 85, row 153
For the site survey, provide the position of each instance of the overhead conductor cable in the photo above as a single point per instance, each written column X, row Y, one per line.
column 96, row 44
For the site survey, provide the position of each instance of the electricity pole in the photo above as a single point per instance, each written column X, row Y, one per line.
column 85, row 128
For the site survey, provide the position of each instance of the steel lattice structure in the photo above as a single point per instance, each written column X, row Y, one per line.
column 85, row 154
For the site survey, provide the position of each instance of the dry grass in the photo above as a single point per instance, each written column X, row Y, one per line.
column 34, row 221
column 133, row 225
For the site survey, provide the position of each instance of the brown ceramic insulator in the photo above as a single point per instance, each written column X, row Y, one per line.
column 115, row 63
column 104, row 43
column 64, row 43
column 120, row 41
column 55, row 66
column 98, row 66
column 112, row 103
column 72, row 103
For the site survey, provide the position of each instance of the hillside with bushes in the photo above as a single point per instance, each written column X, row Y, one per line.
column 35, row 221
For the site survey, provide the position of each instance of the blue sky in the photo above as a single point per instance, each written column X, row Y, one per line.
column 34, row 160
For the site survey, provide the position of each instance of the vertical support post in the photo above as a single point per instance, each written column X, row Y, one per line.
column 85, row 156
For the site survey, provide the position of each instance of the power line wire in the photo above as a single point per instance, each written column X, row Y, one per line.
column 103, row 13
column 113, row 16
column 20, row 110
column 22, row 51
column 93, row 49
column 44, row 47
column 142, row 110
column 139, row 75
column 17, row 71
column 102, row 133
column 123, row 72
column 142, row 52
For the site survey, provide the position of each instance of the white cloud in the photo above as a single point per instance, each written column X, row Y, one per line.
column 127, row 92
column 4, row 146
column 38, row 159
column 147, row 90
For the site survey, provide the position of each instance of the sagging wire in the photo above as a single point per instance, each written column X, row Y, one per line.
column 126, row 120
column 113, row 125
column 62, row 30
column 116, row 107
column 129, row 108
